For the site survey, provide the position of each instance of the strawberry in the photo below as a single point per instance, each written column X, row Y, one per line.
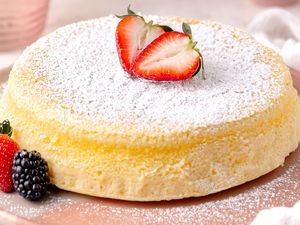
column 170, row 57
column 133, row 34
column 8, row 148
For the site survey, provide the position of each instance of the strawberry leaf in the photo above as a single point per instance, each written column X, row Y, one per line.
column 201, row 65
column 5, row 128
column 187, row 29
column 132, row 13
column 166, row 28
column 121, row 17
column 129, row 13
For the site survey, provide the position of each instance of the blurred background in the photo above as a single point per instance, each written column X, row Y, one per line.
column 234, row 12
column 23, row 21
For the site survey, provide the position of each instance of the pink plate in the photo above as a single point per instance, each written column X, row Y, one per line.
column 237, row 205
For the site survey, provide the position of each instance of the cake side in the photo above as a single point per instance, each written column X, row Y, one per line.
column 84, row 167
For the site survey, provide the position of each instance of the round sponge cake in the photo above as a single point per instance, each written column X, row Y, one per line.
column 106, row 134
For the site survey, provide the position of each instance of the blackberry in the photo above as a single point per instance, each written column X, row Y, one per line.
column 30, row 174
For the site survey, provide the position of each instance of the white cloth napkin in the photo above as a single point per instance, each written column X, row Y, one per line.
column 279, row 30
column 279, row 216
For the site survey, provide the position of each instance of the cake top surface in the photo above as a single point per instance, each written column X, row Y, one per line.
column 79, row 67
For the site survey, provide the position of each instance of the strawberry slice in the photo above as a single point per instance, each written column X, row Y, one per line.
column 170, row 57
column 133, row 34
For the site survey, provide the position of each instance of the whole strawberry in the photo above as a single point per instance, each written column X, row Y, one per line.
column 8, row 148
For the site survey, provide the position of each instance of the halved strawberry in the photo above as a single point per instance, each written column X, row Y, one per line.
column 170, row 57
column 133, row 34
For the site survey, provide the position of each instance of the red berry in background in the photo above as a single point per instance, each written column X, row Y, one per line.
column 8, row 148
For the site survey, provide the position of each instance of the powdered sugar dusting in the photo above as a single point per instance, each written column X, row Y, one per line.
column 81, row 70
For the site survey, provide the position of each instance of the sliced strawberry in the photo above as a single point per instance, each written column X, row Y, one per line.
column 133, row 34
column 170, row 57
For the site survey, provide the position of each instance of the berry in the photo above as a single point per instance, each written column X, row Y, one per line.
column 170, row 57
column 30, row 174
column 133, row 34
column 8, row 148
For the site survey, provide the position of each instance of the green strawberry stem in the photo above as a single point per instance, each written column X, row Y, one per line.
column 5, row 128
column 132, row 13
column 188, row 31
column 129, row 13
column 202, row 67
